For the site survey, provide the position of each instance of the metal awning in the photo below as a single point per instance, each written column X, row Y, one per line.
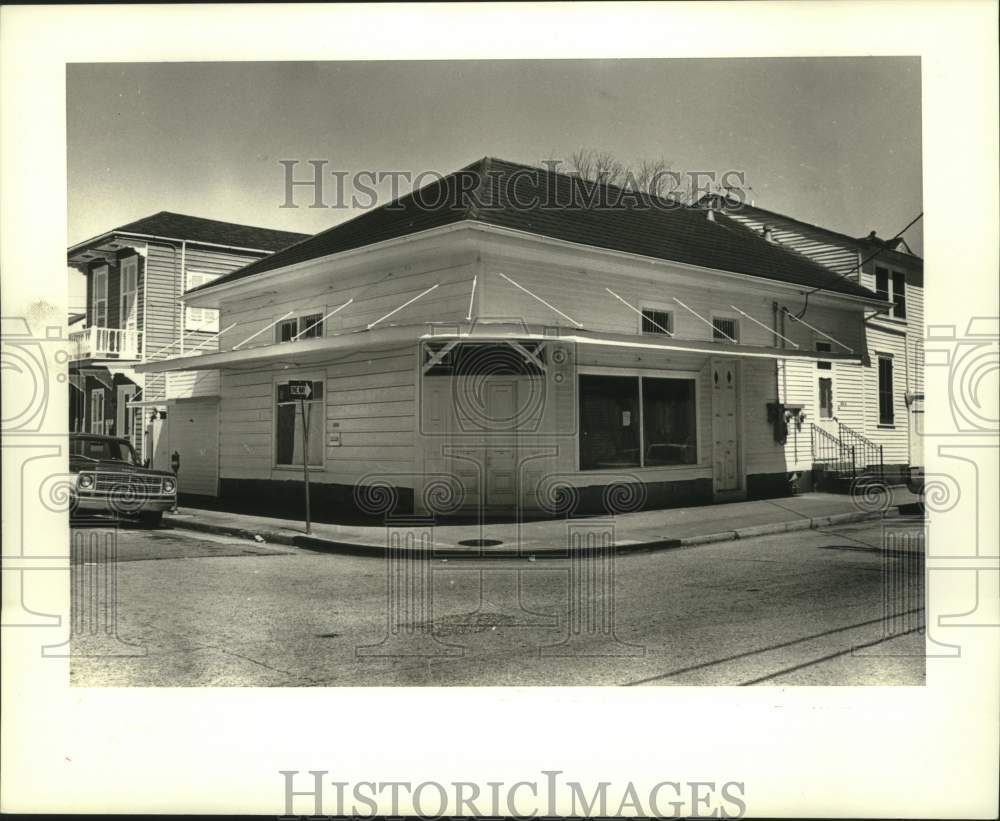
column 309, row 351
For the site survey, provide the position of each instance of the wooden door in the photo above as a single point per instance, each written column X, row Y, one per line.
column 501, row 443
column 725, row 427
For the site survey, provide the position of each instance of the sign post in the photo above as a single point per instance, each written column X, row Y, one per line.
column 302, row 390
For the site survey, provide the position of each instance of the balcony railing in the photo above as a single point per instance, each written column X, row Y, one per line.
column 96, row 342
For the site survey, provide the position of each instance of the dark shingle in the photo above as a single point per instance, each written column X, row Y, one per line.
column 559, row 206
column 198, row 229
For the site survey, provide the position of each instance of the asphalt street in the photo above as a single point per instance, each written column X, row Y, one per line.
column 821, row 607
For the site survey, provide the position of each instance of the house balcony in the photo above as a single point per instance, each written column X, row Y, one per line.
column 119, row 344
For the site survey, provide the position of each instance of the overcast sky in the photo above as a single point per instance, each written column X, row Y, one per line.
column 835, row 142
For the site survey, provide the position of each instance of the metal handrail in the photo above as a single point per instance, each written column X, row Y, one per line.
column 832, row 452
column 870, row 452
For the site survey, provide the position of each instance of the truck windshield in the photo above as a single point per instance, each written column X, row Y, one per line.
column 110, row 449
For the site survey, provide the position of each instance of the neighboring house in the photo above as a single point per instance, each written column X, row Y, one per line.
column 486, row 344
column 135, row 275
column 881, row 400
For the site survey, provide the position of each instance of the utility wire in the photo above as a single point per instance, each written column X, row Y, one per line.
column 858, row 267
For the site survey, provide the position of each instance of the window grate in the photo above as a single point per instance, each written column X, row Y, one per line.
column 725, row 329
column 657, row 322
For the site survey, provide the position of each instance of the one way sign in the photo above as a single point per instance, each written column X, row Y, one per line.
column 299, row 389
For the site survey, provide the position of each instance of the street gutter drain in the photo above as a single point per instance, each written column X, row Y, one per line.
column 480, row 542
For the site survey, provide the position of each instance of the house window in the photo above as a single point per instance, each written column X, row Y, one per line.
column 201, row 319
column 289, row 426
column 99, row 297
column 657, row 322
column 899, row 294
column 891, row 287
column 725, row 329
column 825, row 397
column 302, row 327
column 824, row 347
column 885, row 397
column 632, row 421
column 129, row 299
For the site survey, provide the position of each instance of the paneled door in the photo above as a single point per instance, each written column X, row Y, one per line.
column 725, row 426
column 469, row 429
column 501, row 443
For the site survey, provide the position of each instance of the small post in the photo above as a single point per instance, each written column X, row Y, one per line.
column 301, row 389
column 305, row 460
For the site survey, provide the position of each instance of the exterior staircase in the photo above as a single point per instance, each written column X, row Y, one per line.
column 841, row 460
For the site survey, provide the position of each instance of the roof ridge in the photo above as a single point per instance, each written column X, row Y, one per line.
column 472, row 212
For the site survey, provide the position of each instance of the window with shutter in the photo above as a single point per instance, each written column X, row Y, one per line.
column 886, row 415
column 899, row 294
column 200, row 319
column 99, row 297
column 882, row 283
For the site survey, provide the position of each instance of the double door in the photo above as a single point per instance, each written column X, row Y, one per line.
column 471, row 434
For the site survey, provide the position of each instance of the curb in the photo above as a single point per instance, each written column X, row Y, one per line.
column 321, row 544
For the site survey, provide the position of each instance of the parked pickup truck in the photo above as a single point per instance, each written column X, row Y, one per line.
column 110, row 479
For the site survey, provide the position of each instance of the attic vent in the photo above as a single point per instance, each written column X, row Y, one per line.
column 657, row 322
column 725, row 329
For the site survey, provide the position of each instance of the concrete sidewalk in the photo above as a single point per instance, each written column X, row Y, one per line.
column 648, row 530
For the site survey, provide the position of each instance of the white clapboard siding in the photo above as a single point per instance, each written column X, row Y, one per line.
column 915, row 337
column 827, row 250
column 375, row 294
column 893, row 438
column 161, row 286
column 190, row 384
column 583, row 296
column 369, row 403
column 761, row 452
column 212, row 262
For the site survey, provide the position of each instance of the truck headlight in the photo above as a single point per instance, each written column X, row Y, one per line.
column 169, row 485
column 85, row 480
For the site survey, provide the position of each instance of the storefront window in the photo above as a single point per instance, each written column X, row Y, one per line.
column 288, row 428
column 609, row 422
column 668, row 414
column 615, row 434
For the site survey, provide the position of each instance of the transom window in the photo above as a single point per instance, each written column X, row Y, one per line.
column 201, row 319
column 301, row 327
column 289, row 425
column 725, row 329
column 637, row 421
column 657, row 322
